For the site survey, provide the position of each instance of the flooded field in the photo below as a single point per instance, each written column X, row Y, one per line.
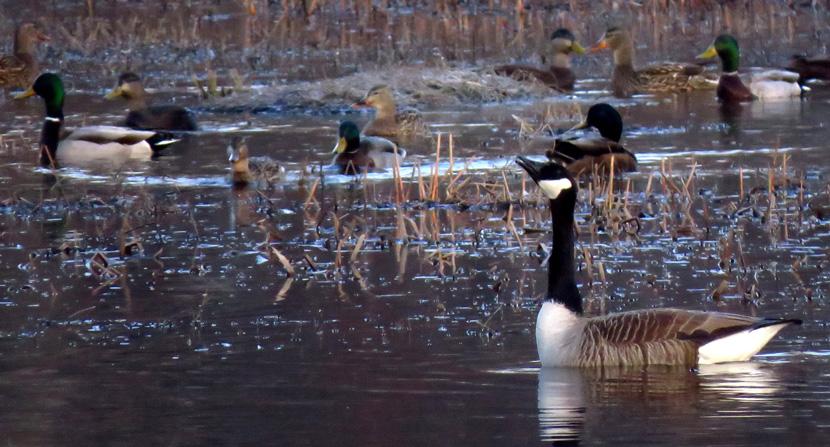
column 156, row 304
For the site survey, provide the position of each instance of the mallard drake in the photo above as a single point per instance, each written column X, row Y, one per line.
column 246, row 169
column 664, row 77
column 763, row 84
column 141, row 116
column 810, row 67
column 580, row 154
column 20, row 69
column 389, row 122
column 559, row 75
column 84, row 145
column 356, row 152
column 566, row 337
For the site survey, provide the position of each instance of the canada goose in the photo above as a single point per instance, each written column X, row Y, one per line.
column 580, row 154
column 664, row 77
column 764, row 84
column 389, row 122
column 565, row 337
column 559, row 75
column 356, row 152
column 141, row 116
column 88, row 144
column 21, row 68
column 246, row 169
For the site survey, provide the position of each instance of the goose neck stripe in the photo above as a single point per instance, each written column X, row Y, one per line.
column 53, row 119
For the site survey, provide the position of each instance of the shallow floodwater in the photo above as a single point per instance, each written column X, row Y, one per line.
column 152, row 304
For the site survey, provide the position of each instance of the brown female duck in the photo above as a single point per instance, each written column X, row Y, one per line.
column 559, row 75
column 20, row 69
column 665, row 77
column 388, row 121
column 246, row 169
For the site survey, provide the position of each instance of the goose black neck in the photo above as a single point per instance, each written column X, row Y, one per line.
column 561, row 268
column 49, row 138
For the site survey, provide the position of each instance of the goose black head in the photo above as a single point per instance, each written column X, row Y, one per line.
column 605, row 119
column 554, row 180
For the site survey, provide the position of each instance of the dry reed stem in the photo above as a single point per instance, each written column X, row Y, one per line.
column 311, row 194
column 433, row 195
column 357, row 247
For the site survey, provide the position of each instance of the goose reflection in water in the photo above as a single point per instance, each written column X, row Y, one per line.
column 573, row 402
column 561, row 405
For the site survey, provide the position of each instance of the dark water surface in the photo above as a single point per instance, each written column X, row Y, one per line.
column 198, row 336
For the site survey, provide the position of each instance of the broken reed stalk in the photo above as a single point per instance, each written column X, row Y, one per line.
column 422, row 191
column 610, row 195
column 511, row 227
column 396, row 175
column 311, row 193
column 357, row 247
column 433, row 195
column 688, row 181
column 450, row 170
column 741, row 183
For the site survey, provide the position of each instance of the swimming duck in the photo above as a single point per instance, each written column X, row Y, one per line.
column 764, row 84
column 141, row 116
column 559, row 75
column 664, row 77
column 83, row 145
column 388, row 121
column 661, row 336
column 580, row 154
column 810, row 67
column 246, row 169
column 356, row 152
column 20, row 69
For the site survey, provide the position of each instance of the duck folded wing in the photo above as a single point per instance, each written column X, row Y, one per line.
column 12, row 65
column 775, row 75
column 109, row 134
column 580, row 155
column 383, row 153
column 679, row 75
column 672, row 68
column 572, row 150
column 557, row 78
column 167, row 117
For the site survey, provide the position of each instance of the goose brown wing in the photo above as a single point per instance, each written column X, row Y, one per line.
column 656, row 325
column 656, row 336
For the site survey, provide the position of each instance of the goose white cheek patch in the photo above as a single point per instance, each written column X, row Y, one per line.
column 552, row 188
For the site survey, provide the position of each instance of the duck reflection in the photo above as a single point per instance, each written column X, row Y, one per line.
column 730, row 114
